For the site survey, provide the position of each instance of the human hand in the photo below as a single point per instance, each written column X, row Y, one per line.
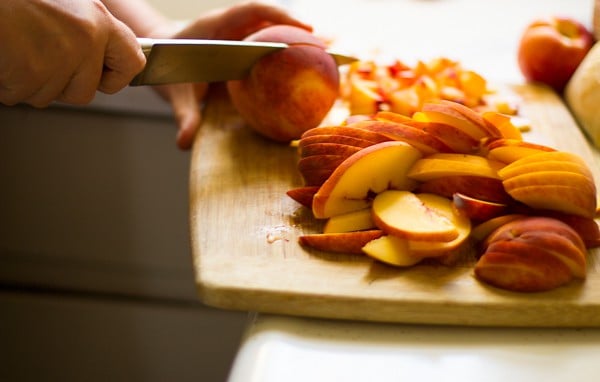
column 233, row 23
column 63, row 50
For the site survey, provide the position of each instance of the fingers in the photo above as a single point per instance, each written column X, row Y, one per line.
column 185, row 100
column 123, row 59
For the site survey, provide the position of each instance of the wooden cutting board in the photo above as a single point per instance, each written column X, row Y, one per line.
column 244, row 231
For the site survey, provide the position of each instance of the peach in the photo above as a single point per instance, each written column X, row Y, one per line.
column 514, row 170
column 441, row 248
column 289, row 91
column 562, row 198
column 407, row 215
column 427, row 143
column 370, row 171
column 303, row 195
column 317, row 168
column 510, row 150
column 441, row 113
column 487, row 189
column 560, row 178
column 532, row 254
column 443, row 165
column 545, row 39
column 342, row 242
column 348, row 131
column 473, row 117
column 333, row 138
column 481, row 231
column 363, row 97
column 359, row 220
column 521, row 267
column 503, row 123
column 323, row 148
column 391, row 250
column 477, row 209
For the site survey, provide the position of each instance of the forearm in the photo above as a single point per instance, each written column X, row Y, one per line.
column 139, row 15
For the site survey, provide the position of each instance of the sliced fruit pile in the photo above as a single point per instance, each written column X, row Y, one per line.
column 369, row 87
column 446, row 182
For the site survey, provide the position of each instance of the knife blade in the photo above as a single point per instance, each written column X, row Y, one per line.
column 191, row 60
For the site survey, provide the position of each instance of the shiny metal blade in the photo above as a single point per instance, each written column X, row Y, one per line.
column 183, row 60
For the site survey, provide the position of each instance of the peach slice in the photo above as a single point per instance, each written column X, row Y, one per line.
column 477, row 209
column 303, row 195
column 532, row 254
column 328, row 149
column 424, row 141
column 537, row 224
column 487, row 189
column 481, row 231
column 473, row 117
column 503, row 123
column 558, row 178
column 567, row 199
column 334, row 138
column 352, row 221
column 407, row 215
column 548, row 157
column 510, row 150
column 342, row 242
column 346, row 130
column 456, row 139
column 453, row 137
column 521, row 267
column 391, row 250
column 370, row 171
column 514, row 169
column 438, row 113
column 442, row 165
column 316, row 169
column 587, row 228
column 438, row 248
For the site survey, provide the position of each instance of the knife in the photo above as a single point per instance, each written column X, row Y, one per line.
column 188, row 60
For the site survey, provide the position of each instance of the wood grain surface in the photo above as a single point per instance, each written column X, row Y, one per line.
column 244, row 231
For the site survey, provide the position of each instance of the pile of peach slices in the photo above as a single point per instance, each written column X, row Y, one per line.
column 446, row 182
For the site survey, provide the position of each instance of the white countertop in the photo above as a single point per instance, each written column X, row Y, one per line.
column 484, row 36
column 291, row 349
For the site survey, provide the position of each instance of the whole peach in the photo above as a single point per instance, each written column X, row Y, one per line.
column 289, row 91
column 552, row 48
